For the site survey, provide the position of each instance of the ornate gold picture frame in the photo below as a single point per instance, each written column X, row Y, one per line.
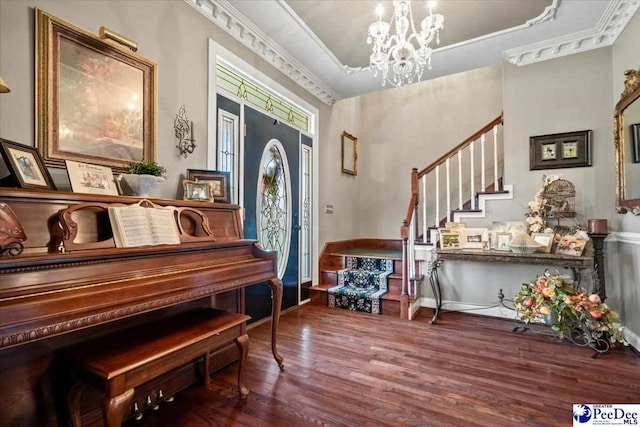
column 96, row 100
column 349, row 154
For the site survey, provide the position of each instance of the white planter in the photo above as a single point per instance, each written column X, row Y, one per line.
column 141, row 185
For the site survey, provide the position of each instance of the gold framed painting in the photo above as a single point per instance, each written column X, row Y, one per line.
column 96, row 100
column 349, row 154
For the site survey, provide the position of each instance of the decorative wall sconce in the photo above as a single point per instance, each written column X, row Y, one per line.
column 184, row 133
column 108, row 34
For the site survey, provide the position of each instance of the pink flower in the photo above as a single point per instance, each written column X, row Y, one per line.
column 594, row 298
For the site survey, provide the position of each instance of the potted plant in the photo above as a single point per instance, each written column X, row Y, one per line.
column 144, row 177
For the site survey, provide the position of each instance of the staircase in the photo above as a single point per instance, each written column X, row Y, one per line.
column 333, row 261
column 456, row 186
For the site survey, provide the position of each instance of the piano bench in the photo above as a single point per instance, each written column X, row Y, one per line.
column 118, row 363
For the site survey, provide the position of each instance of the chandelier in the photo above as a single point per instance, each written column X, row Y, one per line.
column 404, row 54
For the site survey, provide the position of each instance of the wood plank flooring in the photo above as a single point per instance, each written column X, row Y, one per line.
column 352, row 369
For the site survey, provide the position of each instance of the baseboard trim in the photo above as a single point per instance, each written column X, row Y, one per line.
column 625, row 237
column 482, row 310
column 632, row 339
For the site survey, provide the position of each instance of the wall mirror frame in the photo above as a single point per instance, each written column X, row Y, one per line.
column 627, row 188
column 349, row 154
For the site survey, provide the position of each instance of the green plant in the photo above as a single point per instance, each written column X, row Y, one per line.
column 146, row 167
column 556, row 300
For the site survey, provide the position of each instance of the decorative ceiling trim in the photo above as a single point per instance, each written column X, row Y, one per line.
column 614, row 19
column 225, row 16
column 547, row 14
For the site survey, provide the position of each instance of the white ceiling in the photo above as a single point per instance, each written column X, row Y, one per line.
column 322, row 44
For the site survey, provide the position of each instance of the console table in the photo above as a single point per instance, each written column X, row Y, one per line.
column 578, row 264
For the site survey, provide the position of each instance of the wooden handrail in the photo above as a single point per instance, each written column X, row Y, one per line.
column 497, row 121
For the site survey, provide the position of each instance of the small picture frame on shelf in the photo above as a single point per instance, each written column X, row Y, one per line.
column 91, row 179
column 474, row 238
column 502, row 241
column 25, row 166
column 545, row 239
column 450, row 241
column 196, row 190
column 570, row 246
column 218, row 180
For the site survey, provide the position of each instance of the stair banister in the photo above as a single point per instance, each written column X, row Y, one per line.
column 410, row 225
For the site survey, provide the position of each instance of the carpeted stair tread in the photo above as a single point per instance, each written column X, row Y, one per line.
column 370, row 253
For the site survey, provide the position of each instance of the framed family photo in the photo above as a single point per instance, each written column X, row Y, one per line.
column 25, row 167
column 218, row 181
column 450, row 240
column 544, row 239
column 195, row 190
column 95, row 100
column 560, row 150
column 502, row 241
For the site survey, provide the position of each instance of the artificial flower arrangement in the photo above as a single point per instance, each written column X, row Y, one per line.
column 536, row 216
column 556, row 300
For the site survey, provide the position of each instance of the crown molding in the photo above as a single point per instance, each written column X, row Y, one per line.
column 613, row 21
column 225, row 16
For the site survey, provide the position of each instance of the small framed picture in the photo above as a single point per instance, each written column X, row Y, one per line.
column 92, row 179
column 219, row 181
column 570, row 150
column 449, row 240
column 474, row 238
column 545, row 239
column 548, row 151
column 25, row 166
column 570, row 246
column 502, row 241
column 196, row 190
column 635, row 143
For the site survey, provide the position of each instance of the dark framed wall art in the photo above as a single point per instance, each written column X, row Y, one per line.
column 635, row 143
column 26, row 168
column 560, row 150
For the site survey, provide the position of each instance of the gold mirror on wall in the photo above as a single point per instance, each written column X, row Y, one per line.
column 349, row 154
column 626, row 137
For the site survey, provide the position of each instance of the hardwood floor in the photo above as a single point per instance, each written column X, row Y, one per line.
column 348, row 369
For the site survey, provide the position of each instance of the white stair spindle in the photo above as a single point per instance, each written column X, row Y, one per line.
column 424, row 209
column 460, row 179
column 448, row 190
column 482, row 165
column 437, row 222
column 495, row 158
column 473, row 176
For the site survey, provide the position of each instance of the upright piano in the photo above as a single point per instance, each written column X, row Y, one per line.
column 71, row 284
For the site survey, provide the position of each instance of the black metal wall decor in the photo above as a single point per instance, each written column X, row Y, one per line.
column 184, row 132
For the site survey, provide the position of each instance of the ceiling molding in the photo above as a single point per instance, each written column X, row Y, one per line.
column 611, row 24
column 547, row 14
column 225, row 16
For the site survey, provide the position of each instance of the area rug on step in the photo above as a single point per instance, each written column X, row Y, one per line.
column 361, row 284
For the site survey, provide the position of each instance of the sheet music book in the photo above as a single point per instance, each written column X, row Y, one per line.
column 139, row 226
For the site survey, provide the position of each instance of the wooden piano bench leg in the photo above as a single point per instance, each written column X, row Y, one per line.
column 206, row 379
column 243, row 345
column 73, row 403
column 114, row 408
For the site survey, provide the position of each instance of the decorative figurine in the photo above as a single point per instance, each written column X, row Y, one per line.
column 11, row 232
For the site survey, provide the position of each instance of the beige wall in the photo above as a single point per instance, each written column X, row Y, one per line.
column 409, row 127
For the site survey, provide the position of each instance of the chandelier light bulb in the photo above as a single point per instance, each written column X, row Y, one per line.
column 404, row 51
column 379, row 11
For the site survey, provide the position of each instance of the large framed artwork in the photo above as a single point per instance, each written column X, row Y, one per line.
column 560, row 150
column 95, row 99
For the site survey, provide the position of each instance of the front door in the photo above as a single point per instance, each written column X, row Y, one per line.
column 271, row 202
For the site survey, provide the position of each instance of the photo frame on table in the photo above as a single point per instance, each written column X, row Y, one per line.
column 196, row 190
column 218, row 180
column 450, row 240
column 545, row 239
column 560, row 150
column 96, row 100
column 25, row 166
column 474, row 238
column 349, row 154
column 91, row 179
column 502, row 241
column 570, row 246
column 635, row 143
